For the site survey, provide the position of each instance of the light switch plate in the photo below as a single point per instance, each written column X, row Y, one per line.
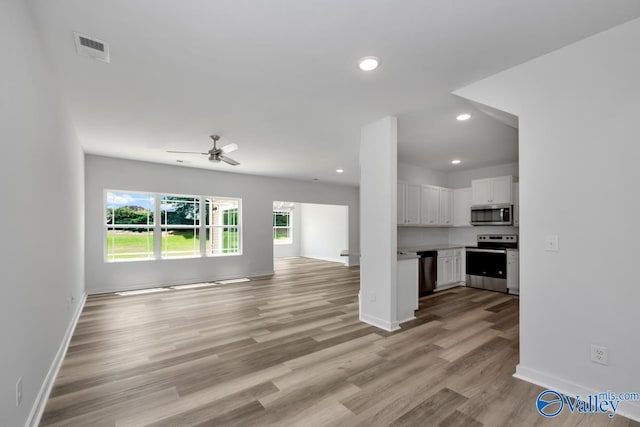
column 551, row 243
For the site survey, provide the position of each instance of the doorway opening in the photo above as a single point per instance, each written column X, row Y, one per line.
column 310, row 230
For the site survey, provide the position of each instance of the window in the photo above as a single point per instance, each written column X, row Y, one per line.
column 281, row 224
column 129, row 226
column 133, row 233
column 180, row 219
column 222, row 223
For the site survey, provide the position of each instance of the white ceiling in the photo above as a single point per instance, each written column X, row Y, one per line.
column 279, row 77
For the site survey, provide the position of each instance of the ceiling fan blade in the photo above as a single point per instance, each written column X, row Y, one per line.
column 187, row 152
column 229, row 160
column 229, row 148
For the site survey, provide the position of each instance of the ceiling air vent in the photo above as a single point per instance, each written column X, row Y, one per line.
column 90, row 46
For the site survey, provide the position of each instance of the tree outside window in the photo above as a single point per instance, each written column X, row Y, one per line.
column 180, row 220
column 129, row 226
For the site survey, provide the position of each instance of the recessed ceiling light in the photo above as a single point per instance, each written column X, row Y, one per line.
column 339, row 170
column 455, row 161
column 463, row 117
column 368, row 63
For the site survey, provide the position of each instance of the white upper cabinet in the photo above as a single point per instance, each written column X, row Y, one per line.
column 446, row 207
column 430, row 205
column 492, row 190
column 481, row 191
column 462, row 207
column 413, row 204
column 409, row 203
column 433, row 206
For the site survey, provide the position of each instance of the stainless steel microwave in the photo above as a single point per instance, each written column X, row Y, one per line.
column 492, row 214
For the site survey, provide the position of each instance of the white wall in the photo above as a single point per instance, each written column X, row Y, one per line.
column 284, row 250
column 417, row 175
column 324, row 230
column 41, row 256
column 579, row 176
column 257, row 193
column 463, row 179
column 378, row 201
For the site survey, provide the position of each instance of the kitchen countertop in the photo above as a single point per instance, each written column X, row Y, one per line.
column 436, row 247
column 410, row 255
column 401, row 255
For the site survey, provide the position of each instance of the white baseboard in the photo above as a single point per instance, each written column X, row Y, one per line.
column 406, row 320
column 139, row 286
column 43, row 394
column 379, row 323
column 449, row 286
column 627, row 409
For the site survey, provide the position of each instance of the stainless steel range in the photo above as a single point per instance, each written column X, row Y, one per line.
column 487, row 263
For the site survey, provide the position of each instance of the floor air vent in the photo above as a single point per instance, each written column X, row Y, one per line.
column 92, row 47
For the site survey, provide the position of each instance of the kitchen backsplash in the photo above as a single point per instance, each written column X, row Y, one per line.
column 468, row 235
column 416, row 236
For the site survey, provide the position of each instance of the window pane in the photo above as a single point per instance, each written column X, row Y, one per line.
column 281, row 234
column 129, row 208
column 281, row 219
column 222, row 211
column 129, row 243
column 182, row 242
column 223, row 240
column 177, row 210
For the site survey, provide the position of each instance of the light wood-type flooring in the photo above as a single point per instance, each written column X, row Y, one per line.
column 289, row 350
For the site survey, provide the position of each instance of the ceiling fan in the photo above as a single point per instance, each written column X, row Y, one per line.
column 215, row 154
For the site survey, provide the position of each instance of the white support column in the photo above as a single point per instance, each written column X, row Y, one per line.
column 378, row 235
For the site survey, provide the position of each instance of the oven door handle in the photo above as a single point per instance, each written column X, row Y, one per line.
column 491, row 251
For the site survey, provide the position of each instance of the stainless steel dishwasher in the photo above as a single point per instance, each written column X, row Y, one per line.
column 427, row 272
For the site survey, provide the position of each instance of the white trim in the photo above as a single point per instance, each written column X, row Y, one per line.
column 406, row 320
column 627, row 409
column 379, row 323
column 139, row 286
column 43, row 394
column 448, row 286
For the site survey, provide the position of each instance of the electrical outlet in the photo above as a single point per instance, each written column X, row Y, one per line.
column 551, row 243
column 19, row 391
column 372, row 297
column 599, row 354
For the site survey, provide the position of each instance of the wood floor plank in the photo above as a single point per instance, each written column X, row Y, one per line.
column 289, row 350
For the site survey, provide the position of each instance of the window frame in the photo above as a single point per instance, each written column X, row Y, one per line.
column 157, row 229
column 289, row 226
column 150, row 227
column 207, row 227
column 196, row 227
